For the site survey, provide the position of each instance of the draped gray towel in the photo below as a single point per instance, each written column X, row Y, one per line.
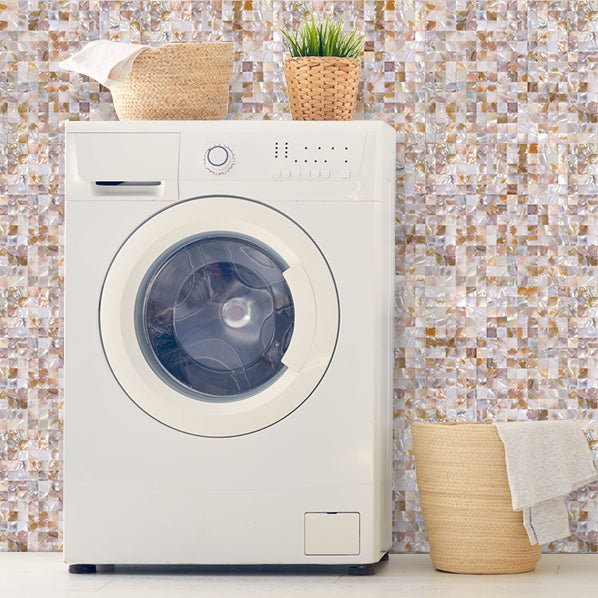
column 545, row 461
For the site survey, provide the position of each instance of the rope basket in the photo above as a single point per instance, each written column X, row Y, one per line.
column 466, row 500
column 177, row 82
column 322, row 87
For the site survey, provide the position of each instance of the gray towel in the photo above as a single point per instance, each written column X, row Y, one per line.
column 545, row 461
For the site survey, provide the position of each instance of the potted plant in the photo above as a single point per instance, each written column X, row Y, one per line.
column 323, row 72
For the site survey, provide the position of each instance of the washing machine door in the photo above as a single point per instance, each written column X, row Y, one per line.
column 219, row 316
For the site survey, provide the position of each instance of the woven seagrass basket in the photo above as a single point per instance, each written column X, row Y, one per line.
column 185, row 81
column 322, row 87
column 466, row 500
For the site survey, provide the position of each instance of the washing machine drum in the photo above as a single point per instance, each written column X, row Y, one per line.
column 219, row 316
column 216, row 317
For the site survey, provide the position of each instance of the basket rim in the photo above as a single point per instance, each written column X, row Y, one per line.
column 153, row 76
column 453, row 424
column 321, row 59
column 190, row 45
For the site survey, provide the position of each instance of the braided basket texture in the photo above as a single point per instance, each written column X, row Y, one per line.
column 185, row 81
column 466, row 500
column 322, row 87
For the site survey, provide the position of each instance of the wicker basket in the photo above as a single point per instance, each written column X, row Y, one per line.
column 466, row 500
column 177, row 82
column 322, row 87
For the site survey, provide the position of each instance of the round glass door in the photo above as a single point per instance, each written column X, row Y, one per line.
column 215, row 317
column 219, row 316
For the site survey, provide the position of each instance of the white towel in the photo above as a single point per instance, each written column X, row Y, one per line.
column 105, row 61
column 545, row 461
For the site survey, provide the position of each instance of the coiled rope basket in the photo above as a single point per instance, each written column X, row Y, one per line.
column 186, row 81
column 466, row 500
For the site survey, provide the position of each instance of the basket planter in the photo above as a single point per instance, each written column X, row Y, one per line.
column 185, row 81
column 466, row 500
column 322, row 87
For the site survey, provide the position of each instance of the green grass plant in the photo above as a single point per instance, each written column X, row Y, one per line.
column 324, row 38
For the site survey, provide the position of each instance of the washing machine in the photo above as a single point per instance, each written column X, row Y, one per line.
column 228, row 343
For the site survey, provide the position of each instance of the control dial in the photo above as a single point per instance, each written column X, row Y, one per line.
column 219, row 159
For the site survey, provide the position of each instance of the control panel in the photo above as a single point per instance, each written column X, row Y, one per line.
column 331, row 159
column 166, row 160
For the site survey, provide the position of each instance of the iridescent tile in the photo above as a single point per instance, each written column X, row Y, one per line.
column 496, row 262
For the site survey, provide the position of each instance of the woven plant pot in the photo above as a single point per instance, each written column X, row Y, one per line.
column 322, row 87
column 177, row 82
column 466, row 500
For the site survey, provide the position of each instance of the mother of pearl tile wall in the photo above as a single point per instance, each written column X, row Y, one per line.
column 495, row 107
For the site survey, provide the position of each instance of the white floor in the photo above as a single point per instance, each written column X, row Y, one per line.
column 43, row 575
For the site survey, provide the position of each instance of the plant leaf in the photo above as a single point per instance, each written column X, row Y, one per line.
column 325, row 38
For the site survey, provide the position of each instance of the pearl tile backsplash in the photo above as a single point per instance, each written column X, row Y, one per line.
column 495, row 106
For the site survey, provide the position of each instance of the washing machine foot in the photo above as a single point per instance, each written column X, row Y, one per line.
column 361, row 570
column 82, row 568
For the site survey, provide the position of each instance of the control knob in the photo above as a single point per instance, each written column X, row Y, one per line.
column 219, row 159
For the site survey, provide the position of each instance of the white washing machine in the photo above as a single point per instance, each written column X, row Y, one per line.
column 229, row 349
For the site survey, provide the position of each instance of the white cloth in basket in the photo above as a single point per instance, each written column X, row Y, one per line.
column 105, row 61
column 545, row 461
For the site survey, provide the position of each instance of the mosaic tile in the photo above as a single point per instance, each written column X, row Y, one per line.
column 495, row 107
